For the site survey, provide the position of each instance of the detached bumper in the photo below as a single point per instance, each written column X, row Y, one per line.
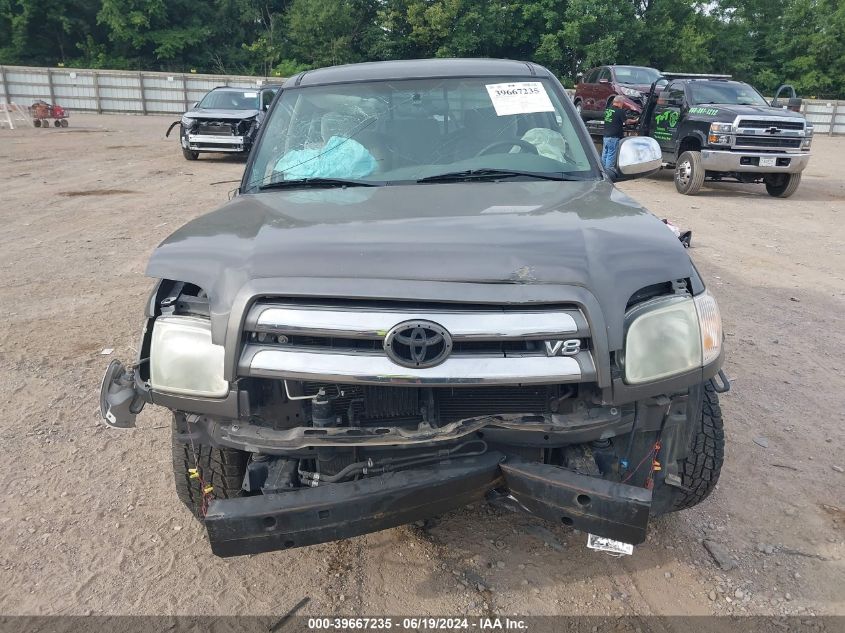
column 742, row 161
column 286, row 520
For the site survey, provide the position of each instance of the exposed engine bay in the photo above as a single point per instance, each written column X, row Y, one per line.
column 226, row 120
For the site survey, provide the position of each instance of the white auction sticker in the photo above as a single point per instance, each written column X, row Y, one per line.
column 250, row 95
column 522, row 97
column 614, row 548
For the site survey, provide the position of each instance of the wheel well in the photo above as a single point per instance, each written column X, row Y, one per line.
column 689, row 144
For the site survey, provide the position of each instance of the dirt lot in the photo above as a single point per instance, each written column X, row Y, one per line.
column 89, row 521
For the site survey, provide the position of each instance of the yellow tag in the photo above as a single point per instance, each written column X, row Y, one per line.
column 208, row 489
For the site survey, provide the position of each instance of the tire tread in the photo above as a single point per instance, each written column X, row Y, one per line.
column 701, row 468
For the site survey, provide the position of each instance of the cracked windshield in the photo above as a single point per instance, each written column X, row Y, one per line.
column 393, row 132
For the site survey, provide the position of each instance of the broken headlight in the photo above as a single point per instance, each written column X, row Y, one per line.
column 183, row 360
column 667, row 337
column 187, row 121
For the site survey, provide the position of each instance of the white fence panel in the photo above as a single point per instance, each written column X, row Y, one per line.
column 128, row 92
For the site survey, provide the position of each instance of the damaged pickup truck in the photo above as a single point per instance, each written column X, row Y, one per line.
column 427, row 292
column 226, row 120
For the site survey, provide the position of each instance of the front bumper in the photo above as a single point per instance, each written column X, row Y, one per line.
column 264, row 523
column 213, row 143
column 743, row 161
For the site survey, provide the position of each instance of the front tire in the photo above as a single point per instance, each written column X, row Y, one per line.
column 700, row 469
column 689, row 173
column 221, row 468
column 782, row 185
column 189, row 155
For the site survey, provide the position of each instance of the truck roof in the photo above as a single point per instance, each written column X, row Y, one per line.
column 416, row 68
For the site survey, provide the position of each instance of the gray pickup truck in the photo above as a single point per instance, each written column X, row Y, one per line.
column 427, row 292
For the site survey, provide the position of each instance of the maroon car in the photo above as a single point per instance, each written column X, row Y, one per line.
column 598, row 86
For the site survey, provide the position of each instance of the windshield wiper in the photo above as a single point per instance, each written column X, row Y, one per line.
column 317, row 182
column 495, row 174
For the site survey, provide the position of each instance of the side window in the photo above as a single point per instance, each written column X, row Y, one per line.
column 267, row 97
column 590, row 77
column 604, row 75
column 672, row 95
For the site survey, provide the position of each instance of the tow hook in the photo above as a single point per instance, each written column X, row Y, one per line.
column 120, row 401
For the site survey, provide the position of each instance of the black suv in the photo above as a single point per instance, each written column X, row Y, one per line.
column 428, row 292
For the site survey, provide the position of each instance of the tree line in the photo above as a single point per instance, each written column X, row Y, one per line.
column 765, row 42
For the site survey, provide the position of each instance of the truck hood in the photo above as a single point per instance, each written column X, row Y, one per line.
column 730, row 111
column 643, row 88
column 585, row 234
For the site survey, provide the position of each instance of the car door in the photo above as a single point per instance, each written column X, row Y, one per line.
column 667, row 116
column 604, row 89
column 588, row 91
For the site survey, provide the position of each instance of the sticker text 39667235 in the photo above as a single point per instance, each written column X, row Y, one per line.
column 522, row 97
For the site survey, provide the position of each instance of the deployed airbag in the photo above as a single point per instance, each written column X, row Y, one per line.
column 340, row 157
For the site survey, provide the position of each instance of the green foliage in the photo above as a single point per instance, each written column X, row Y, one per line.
column 766, row 42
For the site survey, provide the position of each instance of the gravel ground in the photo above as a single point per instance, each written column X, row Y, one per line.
column 89, row 521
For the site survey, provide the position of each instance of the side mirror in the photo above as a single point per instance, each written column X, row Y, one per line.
column 194, row 104
column 637, row 156
column 794, row 104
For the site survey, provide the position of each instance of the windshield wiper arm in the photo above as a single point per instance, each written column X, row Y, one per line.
column 317, row 182
column 493, row 174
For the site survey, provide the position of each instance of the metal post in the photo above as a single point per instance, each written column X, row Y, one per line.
column 185, row 92
column 833, row 118
column 5, row 87
column 50, row 86
column 96, row 78
column 143, row 97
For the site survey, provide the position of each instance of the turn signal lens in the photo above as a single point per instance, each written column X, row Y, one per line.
column 710, row 323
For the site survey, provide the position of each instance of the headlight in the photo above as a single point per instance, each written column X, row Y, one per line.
column 671, row 336
column 183, row 360
column 808, row 139
column 720, row 133
column 187, row 121
column 721, row 128
column 630, row 92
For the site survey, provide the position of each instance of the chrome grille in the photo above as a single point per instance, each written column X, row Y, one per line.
column 763, row 124
column 768, row 142
column 344, row 343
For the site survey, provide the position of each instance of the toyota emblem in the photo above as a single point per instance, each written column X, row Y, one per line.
column 418, row 344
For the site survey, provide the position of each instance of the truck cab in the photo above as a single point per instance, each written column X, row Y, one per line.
column 710, row 127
